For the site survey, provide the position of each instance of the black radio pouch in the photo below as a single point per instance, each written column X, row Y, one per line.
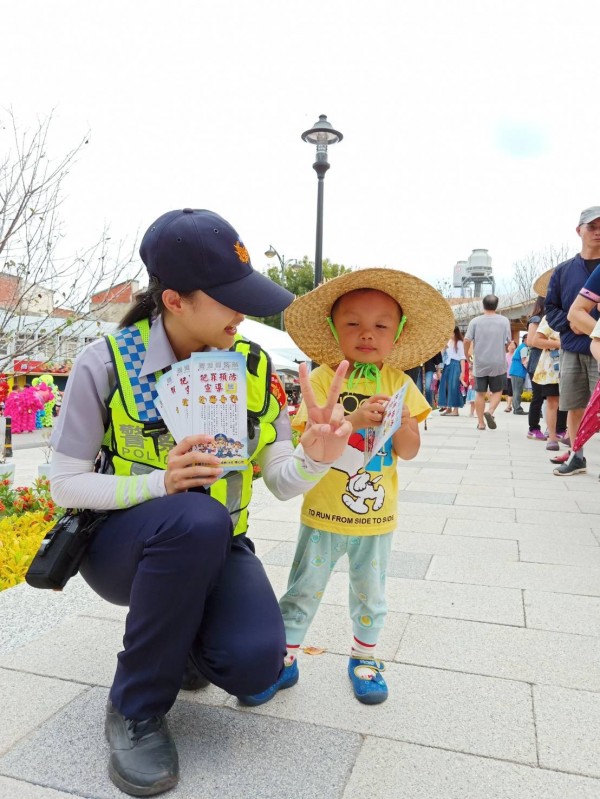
column 62, row 549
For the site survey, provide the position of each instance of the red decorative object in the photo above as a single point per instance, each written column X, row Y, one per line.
column 590, row 423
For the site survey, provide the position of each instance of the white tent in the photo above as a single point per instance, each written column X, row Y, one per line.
column 279, row 344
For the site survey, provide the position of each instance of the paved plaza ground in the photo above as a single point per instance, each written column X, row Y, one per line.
column 492, row 647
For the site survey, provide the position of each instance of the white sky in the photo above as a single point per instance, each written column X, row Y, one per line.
column 468, row 123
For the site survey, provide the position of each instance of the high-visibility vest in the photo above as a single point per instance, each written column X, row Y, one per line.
column 137, row 440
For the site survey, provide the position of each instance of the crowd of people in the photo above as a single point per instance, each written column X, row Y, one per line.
column 558, row 356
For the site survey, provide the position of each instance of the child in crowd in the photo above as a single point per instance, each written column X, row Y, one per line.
column 382, row 321
column 470, row 386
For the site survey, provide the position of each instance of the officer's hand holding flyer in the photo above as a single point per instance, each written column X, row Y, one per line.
column 206, row 394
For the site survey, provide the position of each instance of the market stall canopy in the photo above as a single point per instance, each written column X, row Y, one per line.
column 284, row 353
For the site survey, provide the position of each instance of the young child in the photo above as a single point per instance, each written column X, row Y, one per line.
column 381, row 321
column 470, row 386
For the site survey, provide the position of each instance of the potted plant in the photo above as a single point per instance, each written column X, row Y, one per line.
column 44, row 468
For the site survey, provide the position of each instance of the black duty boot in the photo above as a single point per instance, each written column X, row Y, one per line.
column 193, row 679
column 143, row 758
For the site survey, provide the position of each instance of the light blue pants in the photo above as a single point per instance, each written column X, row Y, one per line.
column 317, row 552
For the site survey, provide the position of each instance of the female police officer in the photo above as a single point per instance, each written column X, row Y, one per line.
column 173, row 546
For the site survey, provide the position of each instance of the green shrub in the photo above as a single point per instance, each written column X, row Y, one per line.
column 26, row 514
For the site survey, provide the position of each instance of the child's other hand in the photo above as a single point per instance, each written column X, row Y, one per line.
column 370, row 412
column 404, row 416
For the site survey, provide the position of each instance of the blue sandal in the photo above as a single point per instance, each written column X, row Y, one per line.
column 369, row 689
column 288, row 677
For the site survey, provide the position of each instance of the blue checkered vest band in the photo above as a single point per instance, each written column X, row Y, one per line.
column 137, row 440
column 133, row 350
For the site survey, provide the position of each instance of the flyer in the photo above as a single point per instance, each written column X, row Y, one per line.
column 218, row 408
column 375, row 437
column 207, row 394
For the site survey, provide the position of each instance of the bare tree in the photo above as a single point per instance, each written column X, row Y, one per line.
column 526, row 270
column 445, row 288
column 37, row 274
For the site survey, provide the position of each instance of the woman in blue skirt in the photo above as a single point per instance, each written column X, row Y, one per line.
column 453, row 376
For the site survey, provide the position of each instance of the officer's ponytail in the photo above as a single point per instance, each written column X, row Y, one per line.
column 146, row 304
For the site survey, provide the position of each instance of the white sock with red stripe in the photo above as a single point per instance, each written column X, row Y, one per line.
column 292, row 654
column 361, row 650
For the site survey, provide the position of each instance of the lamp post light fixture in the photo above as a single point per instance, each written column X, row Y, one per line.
column 321, row 134
column 272, row 253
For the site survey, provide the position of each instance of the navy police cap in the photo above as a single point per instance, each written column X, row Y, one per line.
column 196, row 249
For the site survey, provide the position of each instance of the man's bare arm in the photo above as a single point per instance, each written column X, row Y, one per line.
column 579, row 315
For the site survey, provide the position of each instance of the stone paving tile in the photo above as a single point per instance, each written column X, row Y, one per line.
column 104, row 610
column 27, row 701
column 66, row 652
column 17, row 789
column 452, row 600
column 420, row 524
column 492, row 470
column 278, row 577
column 277, row 511
column 553, row 520
column 269, row 530
column 263, row 546
column 82, row 650
column 540, row 576
column 441, row 472
column 563, row 613
column 221, row 752
column 568, row 729
column 533, row 656
column 588, row 506
column 401, row 564
column 426, row 496
column 468, row 490
column 490, row 500
column 567, row 554
column 453, row 511
column 427, row 773
column 438, row 487
column 549, row 491
column 520, row 532
column 495, row 549
column 473, row 478
column 42, row 610
column 463, row 712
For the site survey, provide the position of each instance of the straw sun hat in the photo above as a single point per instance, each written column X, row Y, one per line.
column 429, row 318
column 540, row 287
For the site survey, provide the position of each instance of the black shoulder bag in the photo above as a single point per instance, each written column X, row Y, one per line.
column 63, row 548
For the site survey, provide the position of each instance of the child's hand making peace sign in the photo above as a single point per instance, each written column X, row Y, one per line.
column 327, row 431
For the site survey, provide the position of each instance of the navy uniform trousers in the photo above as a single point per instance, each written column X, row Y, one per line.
column 192, row 588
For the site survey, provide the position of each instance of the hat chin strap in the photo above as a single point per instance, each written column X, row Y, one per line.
column 365, row 371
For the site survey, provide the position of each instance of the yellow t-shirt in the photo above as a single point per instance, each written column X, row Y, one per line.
column 352, row 499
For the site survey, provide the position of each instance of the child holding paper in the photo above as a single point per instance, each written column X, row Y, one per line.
column 381, row 321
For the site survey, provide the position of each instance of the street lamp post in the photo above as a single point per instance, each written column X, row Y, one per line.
column 321, row 134
column 272, row 253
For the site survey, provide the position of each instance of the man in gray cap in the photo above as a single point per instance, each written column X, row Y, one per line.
column 573, row 313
